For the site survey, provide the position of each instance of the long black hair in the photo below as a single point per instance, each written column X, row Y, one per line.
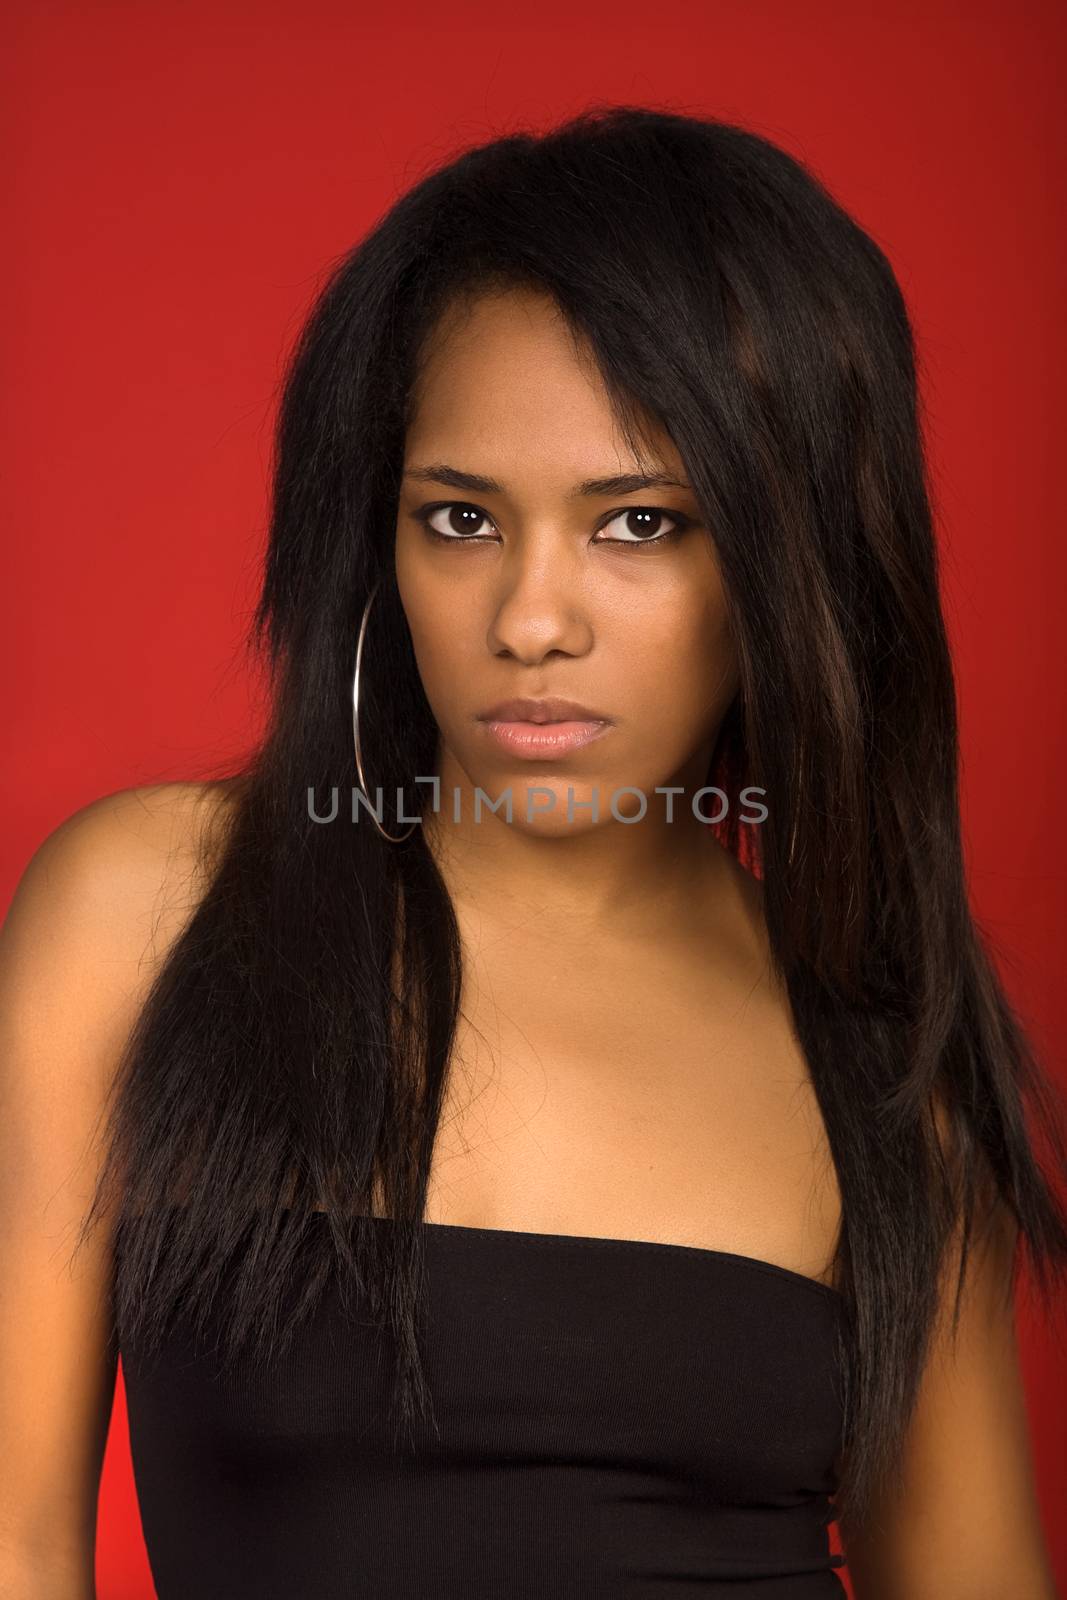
column 293, row 1049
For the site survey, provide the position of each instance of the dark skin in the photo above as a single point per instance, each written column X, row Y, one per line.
column 626, row 968
column 625, row 1064
column 647, row 937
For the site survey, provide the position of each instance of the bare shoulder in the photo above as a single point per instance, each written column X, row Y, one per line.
column 94, row 915
column 133, row 832
column 126, row 870
column 95, row 911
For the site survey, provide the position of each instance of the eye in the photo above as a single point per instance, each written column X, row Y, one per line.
column 639, row 522
column 456, row 521
column 459, row 522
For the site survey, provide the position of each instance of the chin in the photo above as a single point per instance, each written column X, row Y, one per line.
column 539, row 802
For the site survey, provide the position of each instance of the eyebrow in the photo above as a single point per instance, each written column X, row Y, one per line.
column 622, row 483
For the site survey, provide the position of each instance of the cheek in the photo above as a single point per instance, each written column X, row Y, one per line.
column 436, row 652
column 682, row 665
column 444, row 650
column 426, row 615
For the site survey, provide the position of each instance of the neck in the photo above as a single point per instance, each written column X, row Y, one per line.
column 606, row 876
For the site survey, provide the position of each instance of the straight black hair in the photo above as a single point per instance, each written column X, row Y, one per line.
column 293, row 1049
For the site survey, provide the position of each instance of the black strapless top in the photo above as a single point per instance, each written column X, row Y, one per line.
column 618, row 1418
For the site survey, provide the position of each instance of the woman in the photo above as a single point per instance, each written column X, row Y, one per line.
column 651, row 1156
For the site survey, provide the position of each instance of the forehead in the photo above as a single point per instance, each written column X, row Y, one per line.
column 503, row 373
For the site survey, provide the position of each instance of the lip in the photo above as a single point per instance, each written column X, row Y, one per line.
column 542, row 730
column 543, row 741
column 551, row 709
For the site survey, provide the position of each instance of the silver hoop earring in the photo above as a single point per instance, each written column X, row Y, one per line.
column 796, row 819
column 392, row 837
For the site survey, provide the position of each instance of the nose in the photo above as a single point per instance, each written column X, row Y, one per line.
column 538, row 607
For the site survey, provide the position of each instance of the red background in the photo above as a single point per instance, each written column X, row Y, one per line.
column 180, row 176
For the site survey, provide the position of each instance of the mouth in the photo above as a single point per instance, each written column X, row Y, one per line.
column 541, row 711
column 543, row 729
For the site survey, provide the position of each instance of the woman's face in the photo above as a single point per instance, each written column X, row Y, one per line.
column 534, row 582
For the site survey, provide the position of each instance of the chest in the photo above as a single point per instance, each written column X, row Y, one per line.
column 633, row 1092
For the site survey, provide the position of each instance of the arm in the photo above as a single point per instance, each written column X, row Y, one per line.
column 78, row 948
column 961, row 1521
